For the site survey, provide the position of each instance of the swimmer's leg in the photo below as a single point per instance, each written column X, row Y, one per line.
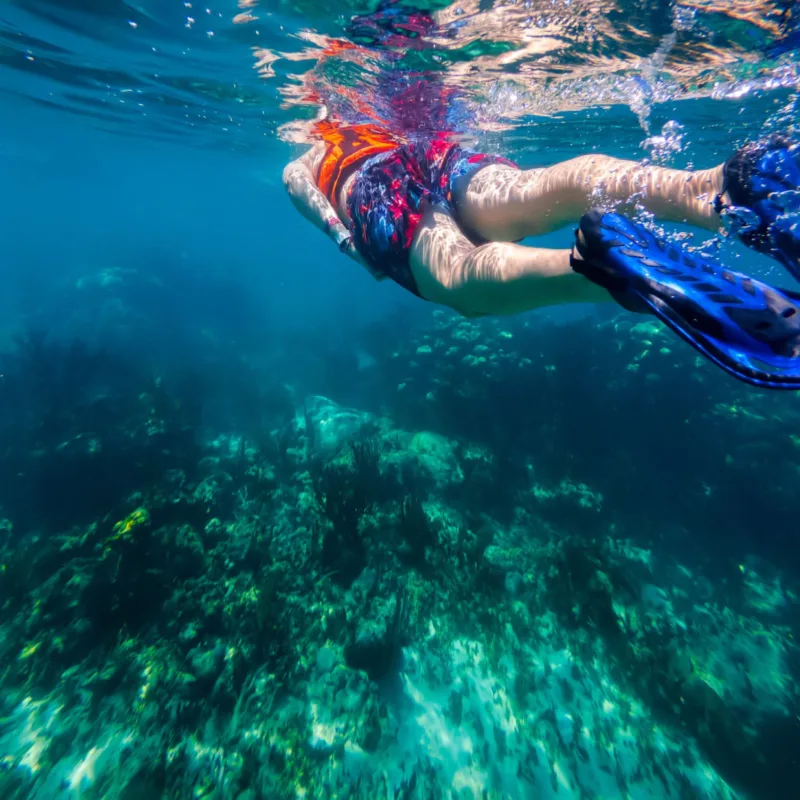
column 495, row 278
column 500, row 203
column 747, row 327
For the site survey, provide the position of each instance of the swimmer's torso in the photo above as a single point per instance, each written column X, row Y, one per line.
column 335, row 161
column 313, row 160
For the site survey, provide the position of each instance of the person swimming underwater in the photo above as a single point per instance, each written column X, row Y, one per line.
column 443, row 222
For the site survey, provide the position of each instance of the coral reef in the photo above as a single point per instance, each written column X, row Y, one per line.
column 462, row 591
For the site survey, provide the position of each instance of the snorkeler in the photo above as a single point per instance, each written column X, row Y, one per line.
column 443, row 222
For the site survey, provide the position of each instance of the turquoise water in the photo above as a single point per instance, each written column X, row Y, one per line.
column 269, row 529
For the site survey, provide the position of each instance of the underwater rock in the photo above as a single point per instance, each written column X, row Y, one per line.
column 568, row 493
column 433, row 455
column 326, row 660
column 214, row 494
column 570, row 737
column 416, row 531
column 500, row 560
column 514, row 582
column 748, row 665
column 764, row 588
column 378, row 638
column 182, row 550
column 364, row 585
column 342, row 497
column 345, row 714
column 206, row 663
column 333, row 427
column 726, row 678
column 498, row 564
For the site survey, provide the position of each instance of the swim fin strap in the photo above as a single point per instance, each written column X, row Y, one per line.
column 747, row 327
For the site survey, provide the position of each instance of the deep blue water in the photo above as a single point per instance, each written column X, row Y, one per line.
column 271, row 529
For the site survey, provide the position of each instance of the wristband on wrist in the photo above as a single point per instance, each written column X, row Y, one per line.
column 346, row 242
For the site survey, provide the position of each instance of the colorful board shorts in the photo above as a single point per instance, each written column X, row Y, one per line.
column 386, row 198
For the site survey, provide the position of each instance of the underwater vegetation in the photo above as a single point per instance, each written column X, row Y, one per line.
column 495, row 580
column 81, row 429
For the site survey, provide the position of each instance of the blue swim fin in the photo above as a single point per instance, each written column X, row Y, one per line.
column 747, row 327
column 763, row 183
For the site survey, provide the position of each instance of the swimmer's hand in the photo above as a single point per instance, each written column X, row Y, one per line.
column 344, row 239
column 338, row 231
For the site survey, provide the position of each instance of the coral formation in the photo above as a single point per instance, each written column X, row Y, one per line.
column 462, row 591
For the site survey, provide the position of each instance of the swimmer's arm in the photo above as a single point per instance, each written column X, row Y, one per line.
column 309, row 200
column 315, row 207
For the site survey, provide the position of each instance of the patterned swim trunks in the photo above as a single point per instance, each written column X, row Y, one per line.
column 386, row 198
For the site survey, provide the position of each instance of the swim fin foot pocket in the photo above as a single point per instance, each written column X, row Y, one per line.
column 762, row 182
column 747, row 327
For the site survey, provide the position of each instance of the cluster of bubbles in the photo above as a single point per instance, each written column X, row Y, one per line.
column 662, row 147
